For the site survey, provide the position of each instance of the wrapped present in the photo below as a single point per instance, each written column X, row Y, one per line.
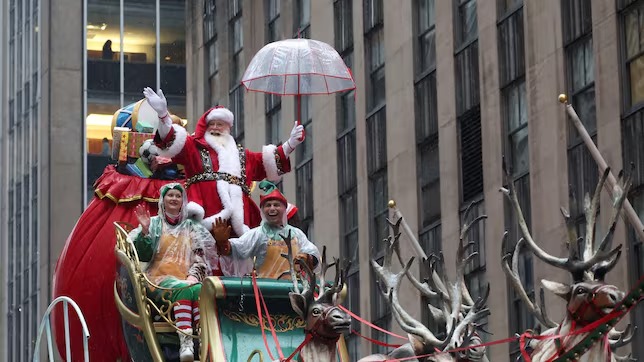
column 143, row 167
column 123, row 142
column 133, row 170
column 135, row 140
column 143, row 126
column 117, row 134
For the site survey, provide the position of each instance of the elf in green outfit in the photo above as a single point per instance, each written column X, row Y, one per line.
column 179, row 251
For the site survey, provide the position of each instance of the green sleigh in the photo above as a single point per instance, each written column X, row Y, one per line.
column 230, row 327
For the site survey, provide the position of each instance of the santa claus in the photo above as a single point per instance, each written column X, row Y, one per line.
column 219, row 172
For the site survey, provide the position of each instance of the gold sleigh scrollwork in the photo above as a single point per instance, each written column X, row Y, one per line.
column 281, row 322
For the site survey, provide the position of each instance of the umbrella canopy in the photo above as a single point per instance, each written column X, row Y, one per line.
column 298, row 67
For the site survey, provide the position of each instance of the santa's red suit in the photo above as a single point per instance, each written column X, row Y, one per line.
column 219, row 172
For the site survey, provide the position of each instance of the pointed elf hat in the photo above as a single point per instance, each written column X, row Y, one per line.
column 269, row 191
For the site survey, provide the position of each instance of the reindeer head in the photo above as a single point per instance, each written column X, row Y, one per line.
column 588, row 297
column 455, row 309
column 324, row 318
column 587, row 301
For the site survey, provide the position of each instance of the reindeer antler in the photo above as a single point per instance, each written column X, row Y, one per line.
column 592, row 258
column 510, row 266
column 459, row 319
column 308, row 283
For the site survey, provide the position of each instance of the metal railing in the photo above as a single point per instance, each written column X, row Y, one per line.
column 46, row 324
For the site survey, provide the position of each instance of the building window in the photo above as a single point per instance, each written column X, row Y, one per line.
column 636, row 266
column 210, row 38
column 377, row 178
column 632, row 22
column 466, row 25
column 515, row 119
column 428, row 170
column 236, row 44
column 343, row 23
column 273, row 118
column 578, row 47
column 347, row 176
column 273, row 27
column 375, row 53
column 302, row 19
column 467, row 99
column 377, row 172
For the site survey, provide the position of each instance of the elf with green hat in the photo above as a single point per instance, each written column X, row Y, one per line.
column 265, row 242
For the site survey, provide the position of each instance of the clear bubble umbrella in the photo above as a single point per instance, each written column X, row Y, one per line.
column 298, row 67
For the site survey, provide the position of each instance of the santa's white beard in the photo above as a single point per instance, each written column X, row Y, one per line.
column 224, row 140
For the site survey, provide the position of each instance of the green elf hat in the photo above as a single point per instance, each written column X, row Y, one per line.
column 269, row 191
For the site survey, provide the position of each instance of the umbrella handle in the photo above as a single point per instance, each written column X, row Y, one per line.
column 299, row 111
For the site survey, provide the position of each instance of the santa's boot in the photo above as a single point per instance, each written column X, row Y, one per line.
column 186, row 346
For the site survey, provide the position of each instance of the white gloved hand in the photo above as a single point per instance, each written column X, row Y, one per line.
column 297, row 135
column 157, row 101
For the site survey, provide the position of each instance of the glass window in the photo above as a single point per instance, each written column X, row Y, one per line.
column 582, row 169
column 302, row 21
column 426, row 35
column 466, row 22
column 352, row 303
column 236, row 102
column 343, row 15
column 377, row 170
column 514, row 101
column 273, row 118
column 373, row 14
column 467, row 79
column 304, row 195
column 274, row 31
column 347, row 179
column 429, row 171
column 633, row 24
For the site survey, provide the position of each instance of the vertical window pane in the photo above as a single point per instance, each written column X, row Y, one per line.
column 140, row 46
column 636, row 77
column 173, row 54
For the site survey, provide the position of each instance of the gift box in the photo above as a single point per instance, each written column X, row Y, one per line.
column 123, row 142
column 117, row 136
column 135, row 141
column 143, row 126
column 143, row 167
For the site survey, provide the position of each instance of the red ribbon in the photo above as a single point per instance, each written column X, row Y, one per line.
column 259, row 315
column 363, row 321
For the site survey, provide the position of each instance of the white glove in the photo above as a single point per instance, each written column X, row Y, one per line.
column 297, row 137
column 157, row 101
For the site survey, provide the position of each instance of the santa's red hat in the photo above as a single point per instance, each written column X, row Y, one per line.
column 218, row 113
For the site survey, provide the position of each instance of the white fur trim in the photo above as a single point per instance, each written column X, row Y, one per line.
column 270, row 165
column 180, row 136
column 231, row 196
column 195, row 211
column 221, row 114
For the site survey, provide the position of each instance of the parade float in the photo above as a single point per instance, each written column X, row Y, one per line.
column 300, row 317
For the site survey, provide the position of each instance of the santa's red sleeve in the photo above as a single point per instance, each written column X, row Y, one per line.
column 174, row 143
column 269, row 164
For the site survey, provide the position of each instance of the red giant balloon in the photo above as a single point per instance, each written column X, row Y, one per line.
column 86, row 268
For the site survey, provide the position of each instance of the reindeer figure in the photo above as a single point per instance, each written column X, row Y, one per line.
column 588, row 297
column 325, row 321
column 456, row 311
